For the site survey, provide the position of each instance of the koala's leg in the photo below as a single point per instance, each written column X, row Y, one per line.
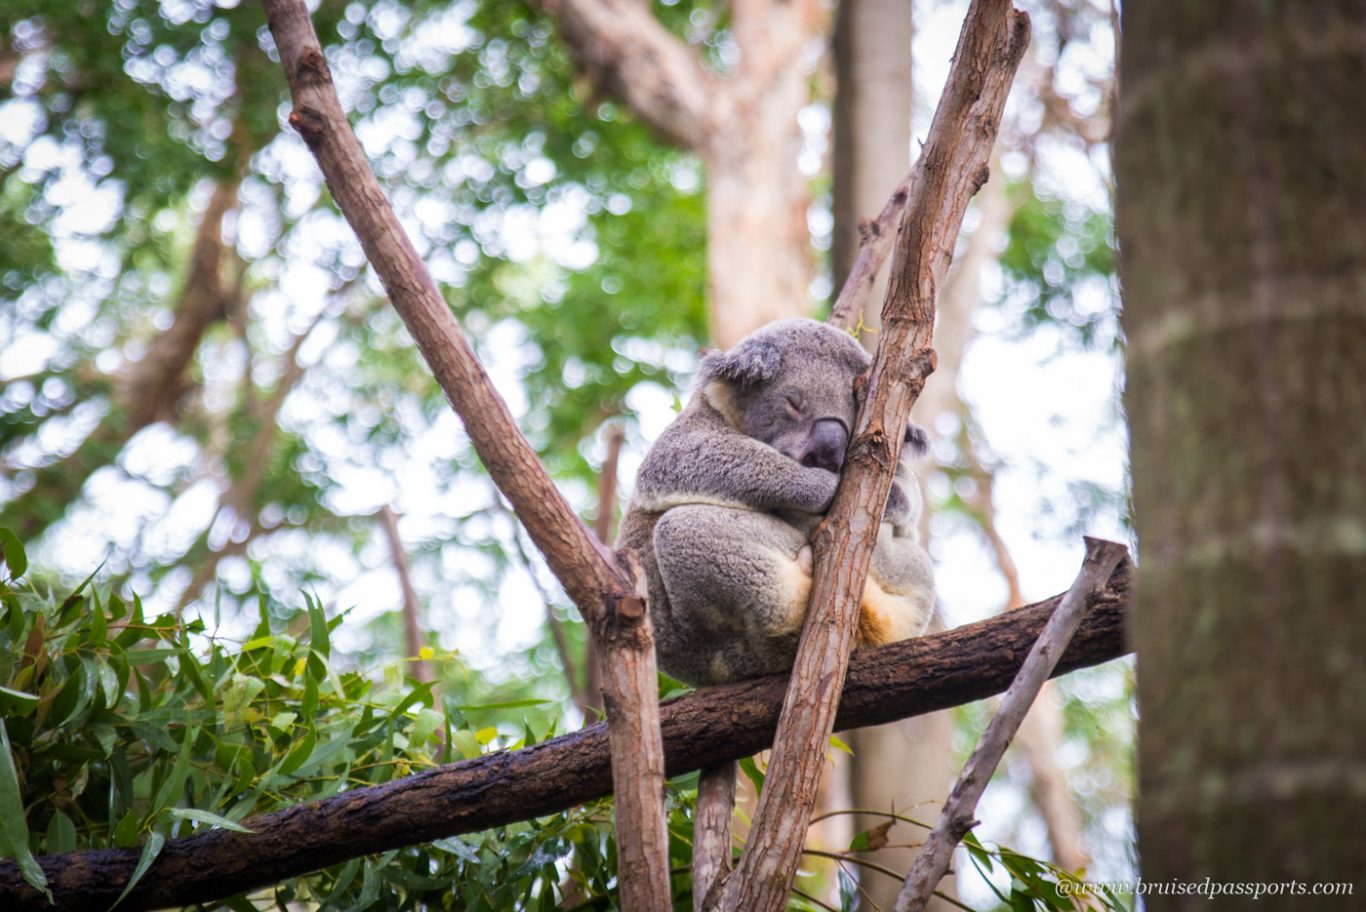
column 732, row 576
column 898, row 599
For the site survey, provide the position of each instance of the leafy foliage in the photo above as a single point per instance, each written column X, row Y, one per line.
column 125, row 730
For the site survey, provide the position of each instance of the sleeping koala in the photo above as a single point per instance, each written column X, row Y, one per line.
column 726, row 498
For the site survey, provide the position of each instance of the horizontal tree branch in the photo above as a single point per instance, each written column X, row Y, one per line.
column 704, row 728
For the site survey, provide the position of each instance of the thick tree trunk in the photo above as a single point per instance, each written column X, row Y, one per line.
column 758, row 244
column 1241, row 172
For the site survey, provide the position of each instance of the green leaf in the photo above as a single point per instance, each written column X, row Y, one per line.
column 317, row 625
column 174, row 784
column 150, row 851
column 13, row 823
column 16, row 558
column 16, row 702
column 1020, row 901
column 209, row 818
column 756, row 775
column 61, row 834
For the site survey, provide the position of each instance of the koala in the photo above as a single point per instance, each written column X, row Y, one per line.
column 727, row 497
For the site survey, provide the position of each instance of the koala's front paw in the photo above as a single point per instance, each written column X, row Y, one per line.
column 820, row 489
column 805, row 560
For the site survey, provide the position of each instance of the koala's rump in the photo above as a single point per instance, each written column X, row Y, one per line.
column 735, row 592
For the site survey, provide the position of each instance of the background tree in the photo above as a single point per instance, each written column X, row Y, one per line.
column 1243, row 264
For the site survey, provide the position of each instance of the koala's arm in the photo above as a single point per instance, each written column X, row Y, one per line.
column 710, row 462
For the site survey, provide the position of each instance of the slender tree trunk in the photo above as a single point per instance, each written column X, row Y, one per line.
column 874, row 97
column 1241, row 166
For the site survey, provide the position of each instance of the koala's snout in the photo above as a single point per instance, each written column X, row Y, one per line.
column 825, row 447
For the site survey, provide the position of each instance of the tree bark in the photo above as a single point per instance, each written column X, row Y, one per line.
column 1241, row 175
column 701, row 729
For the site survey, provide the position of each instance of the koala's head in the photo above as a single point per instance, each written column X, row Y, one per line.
column 791, row 385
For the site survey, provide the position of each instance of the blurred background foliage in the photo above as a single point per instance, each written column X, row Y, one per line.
column 210, row 412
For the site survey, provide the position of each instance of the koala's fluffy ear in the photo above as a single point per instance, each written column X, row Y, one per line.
column 917, row 441
column 752, row 362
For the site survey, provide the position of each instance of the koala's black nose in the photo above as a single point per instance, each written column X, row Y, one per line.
column 825, row 447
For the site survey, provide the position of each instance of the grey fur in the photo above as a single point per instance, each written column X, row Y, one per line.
column 727, row 496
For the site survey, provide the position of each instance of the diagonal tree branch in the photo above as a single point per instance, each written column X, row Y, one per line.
column 588, row 571
column 1102, row 557
column 701, row 729
column 951, row 168
column 625, row 52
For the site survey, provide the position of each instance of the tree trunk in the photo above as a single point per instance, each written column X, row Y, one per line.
column 1241, row 172
column 872, row 124
column 758, row 244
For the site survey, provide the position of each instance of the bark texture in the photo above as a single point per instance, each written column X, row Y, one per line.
column 702, row 729
column 1241, row 166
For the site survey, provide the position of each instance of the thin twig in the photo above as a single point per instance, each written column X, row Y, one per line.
column 1102, row 557
column 413, row 638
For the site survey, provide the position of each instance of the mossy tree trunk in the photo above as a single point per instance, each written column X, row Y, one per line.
column 1241, row 166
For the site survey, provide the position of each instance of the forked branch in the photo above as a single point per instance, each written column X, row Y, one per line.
column 587, row 569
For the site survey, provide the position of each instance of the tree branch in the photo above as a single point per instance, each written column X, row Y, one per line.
column 625, row 52
column 413, row 636
column 711, row 830
column 951, row 168
column 701, row 729
column 587, row 569
column 1102, row 557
